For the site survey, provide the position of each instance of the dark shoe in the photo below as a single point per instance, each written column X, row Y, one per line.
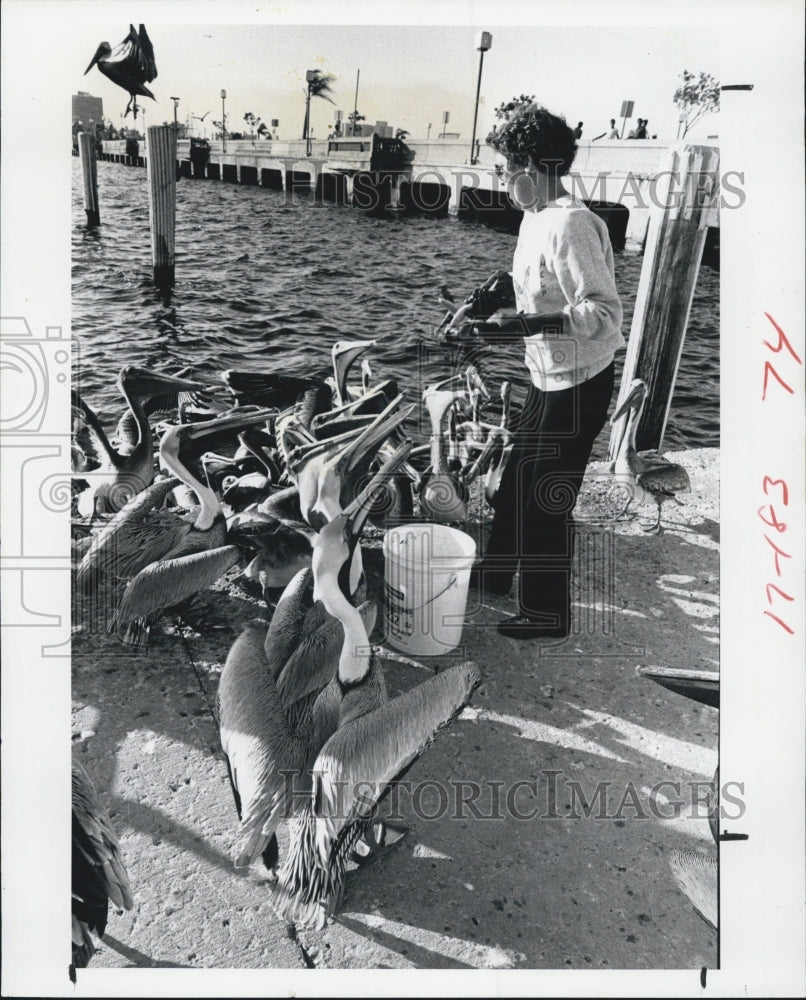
column 495, row 582
column 527, row 627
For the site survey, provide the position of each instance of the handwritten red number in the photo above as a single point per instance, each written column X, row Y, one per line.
column 776, row 482
column 783, row 624
column 769, row 368
column 774, row 523
column 771, row 586
column 778, row 552
column 782, row 341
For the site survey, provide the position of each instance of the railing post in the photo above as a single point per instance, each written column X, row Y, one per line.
column 89, row 172
column 683, row 199
column 161, row 172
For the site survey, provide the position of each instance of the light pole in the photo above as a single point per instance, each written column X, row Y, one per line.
column 428, row 137
column 310, row 76
column 223, row 123
column 483, row 44
column 176, row 125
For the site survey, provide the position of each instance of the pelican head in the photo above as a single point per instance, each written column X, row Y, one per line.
column 634, row 399
column 631, row 407
column 344, row 353
column 179, row 437
column 103, row 50
column 337, row 538
column 145, row 382
column 322, row 468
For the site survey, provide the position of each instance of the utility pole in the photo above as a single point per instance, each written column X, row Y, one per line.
column 223, row 123
column 176, row 124
column 483, row 44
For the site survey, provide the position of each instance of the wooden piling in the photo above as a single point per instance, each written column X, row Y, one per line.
column 684, row 195
column 89, row 171
column 161, row 173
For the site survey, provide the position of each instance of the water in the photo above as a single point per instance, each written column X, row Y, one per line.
column 262, row 285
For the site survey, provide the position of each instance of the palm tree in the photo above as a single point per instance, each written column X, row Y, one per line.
column 318, row 86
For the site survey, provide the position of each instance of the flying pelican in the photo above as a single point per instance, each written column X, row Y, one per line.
column 645, row 474
column 375, row 742
column 162, row 556
column 130, row 65
column 98, row 873
column 127, row 470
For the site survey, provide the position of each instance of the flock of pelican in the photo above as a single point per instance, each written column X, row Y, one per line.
column 281, row 475
column 306, row 700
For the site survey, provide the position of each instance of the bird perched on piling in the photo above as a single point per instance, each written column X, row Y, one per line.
column 130, row 65
column 98, row 872
column 646, row 474
column 374, row 743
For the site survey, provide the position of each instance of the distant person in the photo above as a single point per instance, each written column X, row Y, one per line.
column 578, row 130
column 611, row 133
column 631, row 133
column 640, row 132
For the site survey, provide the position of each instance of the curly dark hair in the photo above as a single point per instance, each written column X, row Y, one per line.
column 533, row 132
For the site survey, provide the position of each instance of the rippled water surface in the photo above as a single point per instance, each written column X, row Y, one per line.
column 262, row 285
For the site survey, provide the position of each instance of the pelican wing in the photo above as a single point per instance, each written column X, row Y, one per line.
column 351, row 773
column 90, row 435
column 136, row 536
column 314, row 662
column 169, row 581
column 262, row 751
column 658, row 475
column 98, row 870
column 356, row 765
column 137, row 53
column 696, row 875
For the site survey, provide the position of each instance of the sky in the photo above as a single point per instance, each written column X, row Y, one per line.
column 409, row 74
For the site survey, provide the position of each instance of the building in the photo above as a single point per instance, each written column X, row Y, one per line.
column 87, row 108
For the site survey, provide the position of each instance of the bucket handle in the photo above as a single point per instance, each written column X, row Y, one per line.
column 451, row 583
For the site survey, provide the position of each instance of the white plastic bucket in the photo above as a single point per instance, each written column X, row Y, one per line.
column 426, row 580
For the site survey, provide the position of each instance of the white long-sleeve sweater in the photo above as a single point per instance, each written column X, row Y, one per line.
column 564, row 263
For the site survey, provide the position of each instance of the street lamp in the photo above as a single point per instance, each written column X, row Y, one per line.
column 428, row 137
column 223, row 123
column 176, row 103
column 483, row 44
column 310, row 76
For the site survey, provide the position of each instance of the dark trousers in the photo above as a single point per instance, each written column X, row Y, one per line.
column 533, row 527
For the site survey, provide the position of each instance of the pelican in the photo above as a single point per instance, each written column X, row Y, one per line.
column 374, row 743
column 130, row 65
column 126, row 471
column 273, row 708
column 442, row 494
column 281, row 546
column 98, row 872
column 695, row 871
column 646, row 474
column 269, row 388
column 161, row 556
column 344, row 353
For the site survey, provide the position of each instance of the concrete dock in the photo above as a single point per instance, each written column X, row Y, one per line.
column 559, row 890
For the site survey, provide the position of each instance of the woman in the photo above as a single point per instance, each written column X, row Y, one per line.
column 569, row 315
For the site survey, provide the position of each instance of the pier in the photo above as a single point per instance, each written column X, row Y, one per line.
column 617, row 179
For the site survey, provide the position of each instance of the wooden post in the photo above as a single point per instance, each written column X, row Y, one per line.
column 89, row 171
column 683, row 196
column 161, row 164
